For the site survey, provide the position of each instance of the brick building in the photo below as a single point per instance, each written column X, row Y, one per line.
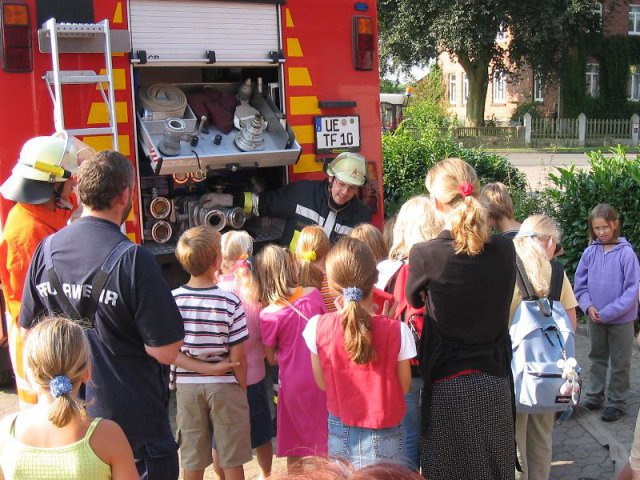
column 618, row 17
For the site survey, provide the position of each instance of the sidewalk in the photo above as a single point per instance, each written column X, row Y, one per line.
column 584, row 446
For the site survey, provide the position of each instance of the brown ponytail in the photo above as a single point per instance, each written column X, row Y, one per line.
column 351, row 269
column 454, row 182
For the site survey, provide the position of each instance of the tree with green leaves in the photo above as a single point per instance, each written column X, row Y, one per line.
column 538, row 32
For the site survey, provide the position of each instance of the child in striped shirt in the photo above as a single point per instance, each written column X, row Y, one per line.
column 210, row 403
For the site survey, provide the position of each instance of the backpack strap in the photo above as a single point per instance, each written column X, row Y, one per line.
column 527, row 291
column 86, row 320
column 522, row 279
column 557, row 281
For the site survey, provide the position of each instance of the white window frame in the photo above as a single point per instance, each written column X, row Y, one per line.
column 465, row 88
column 453, row 89
column 634, row 83
column 499, row 88
column 538, row 88
column 592, row 79
column 634, row 19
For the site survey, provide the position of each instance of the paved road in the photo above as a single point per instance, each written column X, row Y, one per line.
column 537, row 165
column 584, row 446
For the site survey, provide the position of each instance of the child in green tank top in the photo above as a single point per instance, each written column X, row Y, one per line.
column 56, row 439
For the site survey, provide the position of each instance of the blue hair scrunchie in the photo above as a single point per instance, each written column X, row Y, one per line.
column 60, row 385
column 352, row 294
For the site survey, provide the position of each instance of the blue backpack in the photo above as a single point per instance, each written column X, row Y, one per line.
column 541, row 335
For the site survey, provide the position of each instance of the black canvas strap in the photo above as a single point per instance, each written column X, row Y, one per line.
column 90, row 307
column 526, row 289
column 557, row 281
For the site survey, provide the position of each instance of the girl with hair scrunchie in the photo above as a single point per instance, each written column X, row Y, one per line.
column 361, row 360
column 311, row 253
column 235, row 276
column 56, row 438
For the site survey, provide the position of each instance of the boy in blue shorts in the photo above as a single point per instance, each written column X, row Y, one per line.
column 209, row 403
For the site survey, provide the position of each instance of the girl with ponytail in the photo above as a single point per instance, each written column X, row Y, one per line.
column 466, row 278
column 311, row 253
column 361, row 360
column 56, row 438
column 286, row 309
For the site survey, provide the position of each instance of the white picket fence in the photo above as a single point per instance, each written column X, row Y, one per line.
column 582, row 130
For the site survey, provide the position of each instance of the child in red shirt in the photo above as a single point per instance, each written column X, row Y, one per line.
column 361, row 360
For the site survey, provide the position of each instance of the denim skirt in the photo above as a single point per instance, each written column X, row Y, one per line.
column 365, row 446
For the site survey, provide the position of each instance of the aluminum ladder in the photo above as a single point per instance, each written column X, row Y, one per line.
column 56, row 78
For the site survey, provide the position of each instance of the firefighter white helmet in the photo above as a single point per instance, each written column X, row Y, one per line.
column 349, row 168
column 43, row 162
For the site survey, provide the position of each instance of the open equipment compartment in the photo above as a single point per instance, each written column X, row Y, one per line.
column 172, row 186
column 280, row 147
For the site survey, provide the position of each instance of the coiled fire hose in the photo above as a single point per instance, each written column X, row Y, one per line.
column 163, row 98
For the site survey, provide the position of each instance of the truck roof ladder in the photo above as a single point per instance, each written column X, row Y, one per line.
column 56, row 78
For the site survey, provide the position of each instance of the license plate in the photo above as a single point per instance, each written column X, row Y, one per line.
column 337, row 134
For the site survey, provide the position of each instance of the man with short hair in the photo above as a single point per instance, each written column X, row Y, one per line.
column 136, row 331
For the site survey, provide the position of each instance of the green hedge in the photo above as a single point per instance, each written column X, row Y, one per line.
column 421, row 141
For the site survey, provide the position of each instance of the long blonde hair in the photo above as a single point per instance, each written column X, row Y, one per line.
column 311, row 250
column 372, row 237
column 533, row 255
column 57, row 347
column 274, row 274
column 351, row 264
column 237, row 248
column 417, row 221
column 454, row 182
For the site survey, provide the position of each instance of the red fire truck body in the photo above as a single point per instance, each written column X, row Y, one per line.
column 312, row 69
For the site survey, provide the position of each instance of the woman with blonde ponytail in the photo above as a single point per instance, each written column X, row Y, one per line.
column 361, row 360
column 466, row 277
column 56, row 439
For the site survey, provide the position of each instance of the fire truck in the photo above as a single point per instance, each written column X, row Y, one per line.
column 201, row 95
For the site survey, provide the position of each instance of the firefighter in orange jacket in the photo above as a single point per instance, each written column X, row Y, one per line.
column 41, row 183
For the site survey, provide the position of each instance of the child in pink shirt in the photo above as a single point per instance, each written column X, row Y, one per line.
column 235, row 276
column 302, row 406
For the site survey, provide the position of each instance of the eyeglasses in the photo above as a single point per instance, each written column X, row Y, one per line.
column 344, row 186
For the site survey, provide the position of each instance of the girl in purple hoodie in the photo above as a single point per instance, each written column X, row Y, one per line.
column 606, row 286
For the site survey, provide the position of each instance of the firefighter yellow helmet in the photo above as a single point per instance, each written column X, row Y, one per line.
column 43, row 161
column 349, row 168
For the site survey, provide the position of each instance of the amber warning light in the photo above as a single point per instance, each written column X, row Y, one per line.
column 16, row 38
column 363, row 43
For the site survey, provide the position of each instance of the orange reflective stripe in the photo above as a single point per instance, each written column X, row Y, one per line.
column 27, row 397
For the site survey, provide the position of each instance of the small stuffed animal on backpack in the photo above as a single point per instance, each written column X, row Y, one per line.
column 569, row 373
